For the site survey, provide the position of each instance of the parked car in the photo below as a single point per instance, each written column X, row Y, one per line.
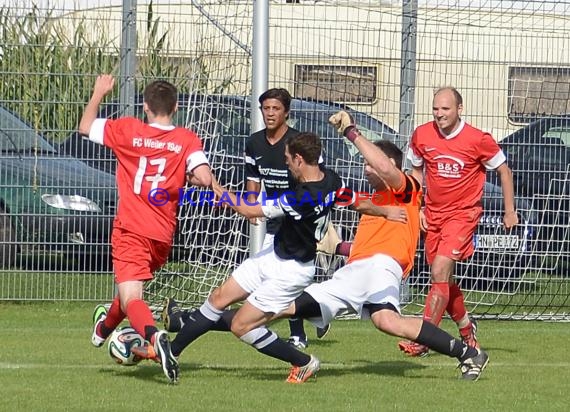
column 539, row 155
column 54, row 209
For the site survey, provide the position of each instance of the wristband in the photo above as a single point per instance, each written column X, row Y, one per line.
column 351, row 133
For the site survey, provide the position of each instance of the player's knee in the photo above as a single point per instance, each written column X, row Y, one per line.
column 438, row 277
column 126, row 300
column 239, row 328
column 385, row 317
column 442, row 269
column 217, row 299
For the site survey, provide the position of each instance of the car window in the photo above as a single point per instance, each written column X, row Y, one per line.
column 234, row 121
column 17, row 136
column 562, row 134
column 547, row 157
column 514, row 153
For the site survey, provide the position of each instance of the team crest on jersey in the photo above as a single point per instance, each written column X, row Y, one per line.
column 449, row 166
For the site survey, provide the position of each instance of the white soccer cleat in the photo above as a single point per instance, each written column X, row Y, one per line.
column 99, row 315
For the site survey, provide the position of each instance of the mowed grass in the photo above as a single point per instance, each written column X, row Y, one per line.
column 48, row 364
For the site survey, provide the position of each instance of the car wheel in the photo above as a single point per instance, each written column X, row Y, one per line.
column 8, row 246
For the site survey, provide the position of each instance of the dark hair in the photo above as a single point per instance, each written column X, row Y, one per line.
column 280, row 94
column 307, row 145
column 456, row 94
column 161, row 97
column 391, row 150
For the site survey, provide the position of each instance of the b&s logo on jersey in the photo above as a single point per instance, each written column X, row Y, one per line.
column 449, row 166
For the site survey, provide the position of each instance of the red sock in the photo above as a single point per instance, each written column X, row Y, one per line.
column 456, row 306
column 141, row 319
column 114, row 317
column 436, row 302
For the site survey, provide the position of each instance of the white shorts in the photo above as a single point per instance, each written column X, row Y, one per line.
column 376, row 279
column 273, row 283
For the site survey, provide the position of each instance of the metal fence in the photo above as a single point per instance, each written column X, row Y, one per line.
column 510, row 60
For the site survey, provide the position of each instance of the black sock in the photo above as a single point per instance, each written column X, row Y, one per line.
column 222, row 325
column 184, row 314
column 195, row 326
column 442, row 342
column 307, row 307
column 149, row 332
column 225, row 322
column 104, row 331
column 297, row 329
column 279, row 349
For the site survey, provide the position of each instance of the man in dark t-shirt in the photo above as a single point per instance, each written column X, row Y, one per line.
column 265, row 163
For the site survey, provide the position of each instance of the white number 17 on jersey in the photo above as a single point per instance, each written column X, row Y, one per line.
column 155, row 178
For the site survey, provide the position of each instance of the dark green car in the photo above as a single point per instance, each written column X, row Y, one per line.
column 55, row 211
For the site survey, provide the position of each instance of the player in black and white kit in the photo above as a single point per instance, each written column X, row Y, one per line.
column 273, row 278
column 265, row 162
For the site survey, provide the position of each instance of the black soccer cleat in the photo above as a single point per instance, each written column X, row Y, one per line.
column 322, row 332
column 164, row 354
column 472, row 368
column 172, row 316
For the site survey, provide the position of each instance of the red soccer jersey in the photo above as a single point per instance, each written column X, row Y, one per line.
column 454, row 165
column 152, row 163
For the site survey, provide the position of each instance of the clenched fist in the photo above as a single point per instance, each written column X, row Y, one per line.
column 345, row 125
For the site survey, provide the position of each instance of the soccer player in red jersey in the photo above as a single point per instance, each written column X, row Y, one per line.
column 155, row 160
column 453, row 156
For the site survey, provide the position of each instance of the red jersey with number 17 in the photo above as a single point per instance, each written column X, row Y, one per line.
column 152, row 163
column 454, row 165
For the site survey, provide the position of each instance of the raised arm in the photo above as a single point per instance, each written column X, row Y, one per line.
column 381, row 163
column 103, row 86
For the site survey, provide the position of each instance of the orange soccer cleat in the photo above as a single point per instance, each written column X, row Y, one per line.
column 413, row 349
column 300, row 374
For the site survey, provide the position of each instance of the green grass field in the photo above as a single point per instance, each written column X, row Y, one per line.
column 48, row 364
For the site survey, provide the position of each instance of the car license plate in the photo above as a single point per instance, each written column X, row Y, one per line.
column 504, row 242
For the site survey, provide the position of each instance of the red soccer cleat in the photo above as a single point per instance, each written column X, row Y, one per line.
column 413, row 349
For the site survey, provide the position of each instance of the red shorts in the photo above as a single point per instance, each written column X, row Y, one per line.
column 451, row 235
column 136, row 257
